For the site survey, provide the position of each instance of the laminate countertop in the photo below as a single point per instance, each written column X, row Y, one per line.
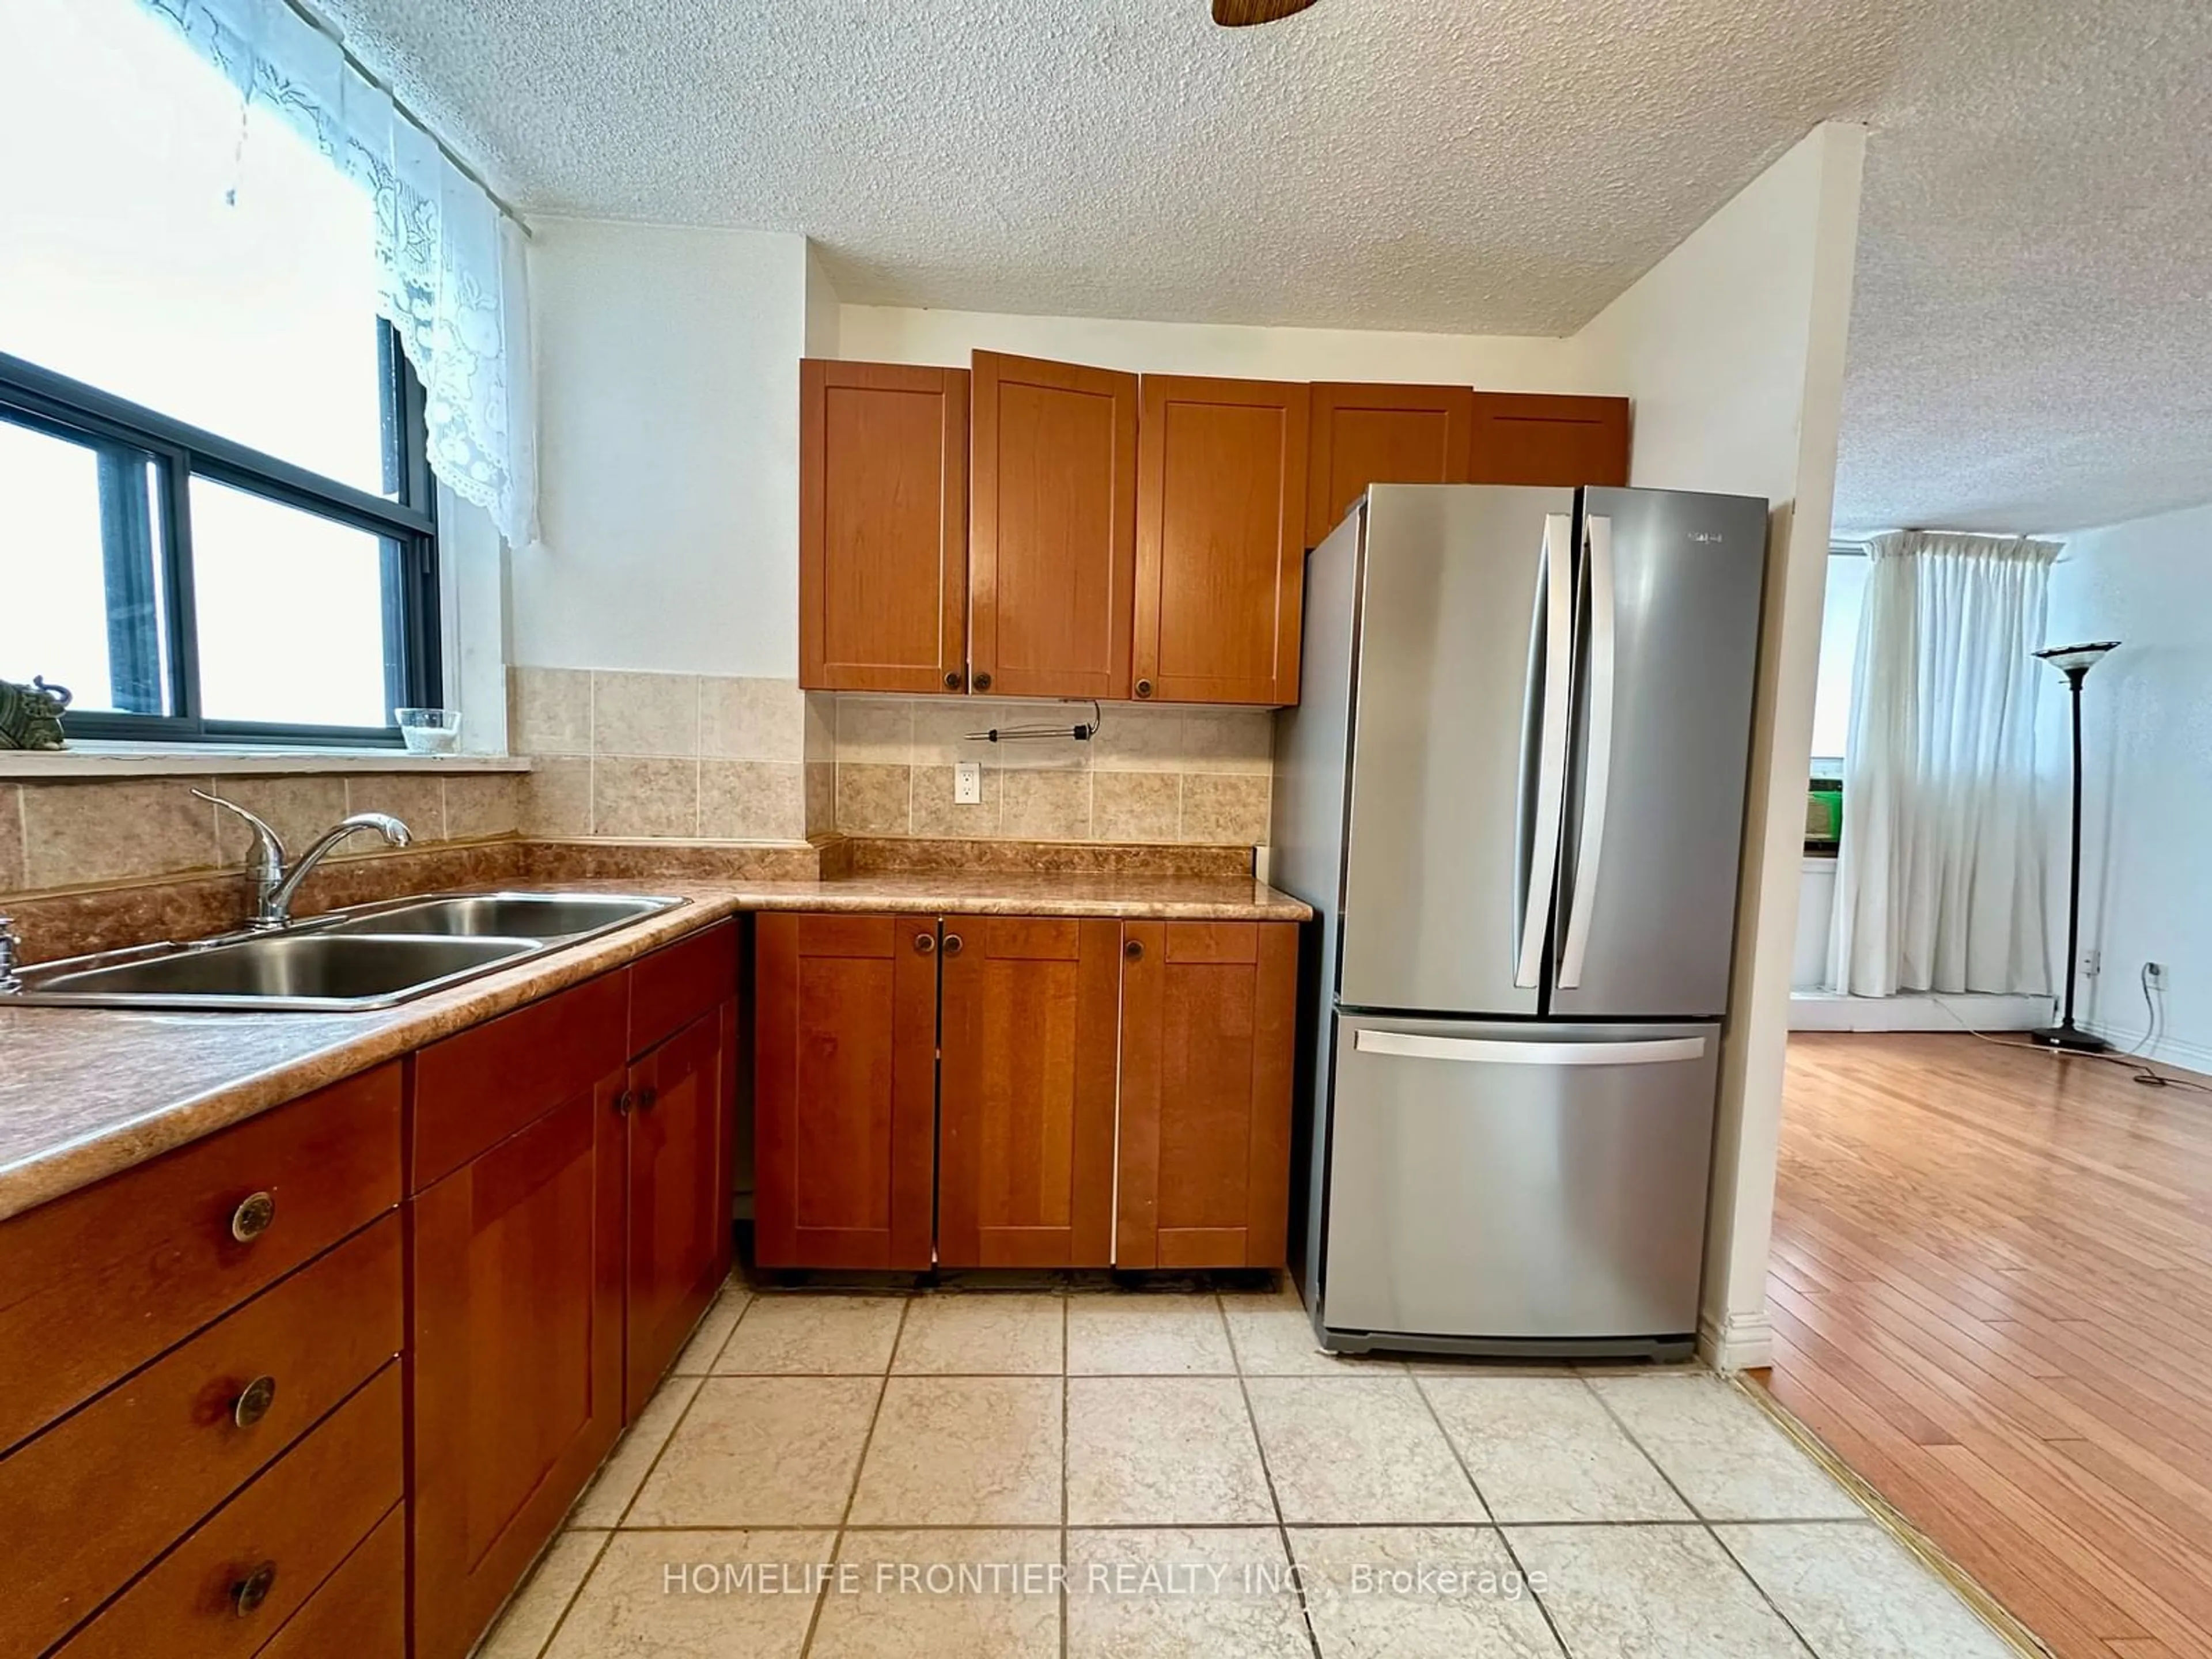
column 88, row 1093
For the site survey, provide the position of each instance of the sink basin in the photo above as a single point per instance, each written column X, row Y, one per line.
column 505, row 916
column 288, row 970
column 370, row 957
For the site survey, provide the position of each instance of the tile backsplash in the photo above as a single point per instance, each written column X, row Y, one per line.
column 687, row 756
column 90, row 831
column 1152, row 773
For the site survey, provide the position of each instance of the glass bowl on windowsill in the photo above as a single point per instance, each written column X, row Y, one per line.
column 429, row 730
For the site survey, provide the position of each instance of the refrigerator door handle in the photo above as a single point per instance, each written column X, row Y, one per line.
column 1493, row 1051
column 1552, row 746
column 1597, row 770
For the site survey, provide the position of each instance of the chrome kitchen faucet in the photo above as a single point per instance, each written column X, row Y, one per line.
column 274, row 883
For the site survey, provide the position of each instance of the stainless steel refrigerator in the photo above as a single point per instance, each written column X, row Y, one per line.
column 1513, row 790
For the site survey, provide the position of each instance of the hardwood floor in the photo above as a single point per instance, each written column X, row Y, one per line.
column 1992, row 1296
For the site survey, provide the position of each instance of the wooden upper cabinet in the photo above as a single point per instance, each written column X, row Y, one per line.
column 845, row 1090
column 883, row 527
column 1207, row 1016
column 1052, row 548
column 1025, row 1120
column 1367, row 434
column 1530, row 437
column 1221, row 516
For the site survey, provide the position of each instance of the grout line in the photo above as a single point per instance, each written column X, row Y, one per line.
column 859, row 1466
column 1504, row 1539
column 1267, row 1474
column 568, row 1606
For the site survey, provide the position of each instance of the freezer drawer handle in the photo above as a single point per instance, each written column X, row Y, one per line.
column 1490, row 1051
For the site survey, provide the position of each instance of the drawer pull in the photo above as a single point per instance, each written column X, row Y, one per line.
column 252, row 1218
column 247, row 1594
column 251, row 1406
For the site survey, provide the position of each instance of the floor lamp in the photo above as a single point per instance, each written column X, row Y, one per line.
column 2075, row 662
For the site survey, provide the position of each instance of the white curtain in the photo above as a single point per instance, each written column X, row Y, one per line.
column 450, row 261
column 1940, row 883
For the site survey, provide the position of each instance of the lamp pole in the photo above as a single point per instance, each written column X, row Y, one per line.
column 2075, row 662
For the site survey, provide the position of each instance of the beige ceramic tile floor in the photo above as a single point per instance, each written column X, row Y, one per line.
column 985, row 1473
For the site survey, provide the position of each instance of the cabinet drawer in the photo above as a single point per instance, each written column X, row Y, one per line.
column 285, row 1533
column 474, row 1090
column 90, row 1502
column 678, row 983
column 360, row 1611
column 94, row 1284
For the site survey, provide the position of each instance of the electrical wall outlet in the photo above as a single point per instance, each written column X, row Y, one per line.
column 2093, row 963
column 967, row 783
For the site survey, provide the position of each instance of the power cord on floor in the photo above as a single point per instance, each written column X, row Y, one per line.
column 2145, row 1072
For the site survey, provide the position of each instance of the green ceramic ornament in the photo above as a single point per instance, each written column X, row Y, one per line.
column 31, row 715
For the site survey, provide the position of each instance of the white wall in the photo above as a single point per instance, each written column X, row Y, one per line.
column 668, row 399
column 2147, row 730
column 1733, row 349
column 1494, row 362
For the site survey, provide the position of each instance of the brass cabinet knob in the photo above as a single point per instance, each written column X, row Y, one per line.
column 952, row 681
column 1144, row 687
column 952, row 945
column 925, row 943
column 983, row 681
column 247, row 1594
column 647, row 1097
column 1133, row 949
column 253, row 1217
column 252, row 1404
column 623, row 1103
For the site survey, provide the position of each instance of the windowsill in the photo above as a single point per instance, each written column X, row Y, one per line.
column 154, row 760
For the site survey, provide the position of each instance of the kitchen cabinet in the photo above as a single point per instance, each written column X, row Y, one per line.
column 1221, row 513
column 1528, row 437
column 1207, row 1013
column 1052, row 541
column 1367, row 434
column 883, row 527
column 517, row 1334
column 1043, row 1024
column 845, row 1090
column 1030, row 1017
column 681, row 1108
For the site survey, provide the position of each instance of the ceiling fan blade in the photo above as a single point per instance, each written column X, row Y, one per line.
column 1238, row 14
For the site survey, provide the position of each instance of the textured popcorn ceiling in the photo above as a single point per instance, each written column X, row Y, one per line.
column 2033, row 341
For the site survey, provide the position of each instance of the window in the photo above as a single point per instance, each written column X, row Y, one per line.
column 215, row 515
column 1840, row 650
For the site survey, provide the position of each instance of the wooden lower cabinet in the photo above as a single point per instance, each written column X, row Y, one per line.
column 518, row 1355
column 844, row 1090
column 1025, row 1112
column 1041, row 1024
column 682, row 1104
column 1208, row 1012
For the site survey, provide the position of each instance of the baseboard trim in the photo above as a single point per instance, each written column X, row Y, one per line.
column 1831, row 1010
column 2168, row 1051
column 1738, row 1342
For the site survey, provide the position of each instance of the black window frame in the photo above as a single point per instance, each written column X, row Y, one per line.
column 160, row 544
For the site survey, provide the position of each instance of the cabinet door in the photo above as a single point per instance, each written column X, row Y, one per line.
column 845, row 1091
column 883, row 527
column 518, row 1348
column 1531, row 438
column 1370, row 434
column 1025, row 1115
column 1052, row 550
column 1221, row 512
column 1207, row 1013
column 681, row 1108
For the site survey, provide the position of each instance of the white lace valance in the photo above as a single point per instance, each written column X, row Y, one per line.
column 449, row 261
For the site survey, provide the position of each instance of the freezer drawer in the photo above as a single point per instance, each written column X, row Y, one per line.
column 1502, row 1182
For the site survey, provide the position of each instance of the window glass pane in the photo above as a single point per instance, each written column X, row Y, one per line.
column 290, row 608
column 1840, row 650
column 174, row 249
column 81, row 606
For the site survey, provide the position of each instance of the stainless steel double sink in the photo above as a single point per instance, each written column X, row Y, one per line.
column 370, row 957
